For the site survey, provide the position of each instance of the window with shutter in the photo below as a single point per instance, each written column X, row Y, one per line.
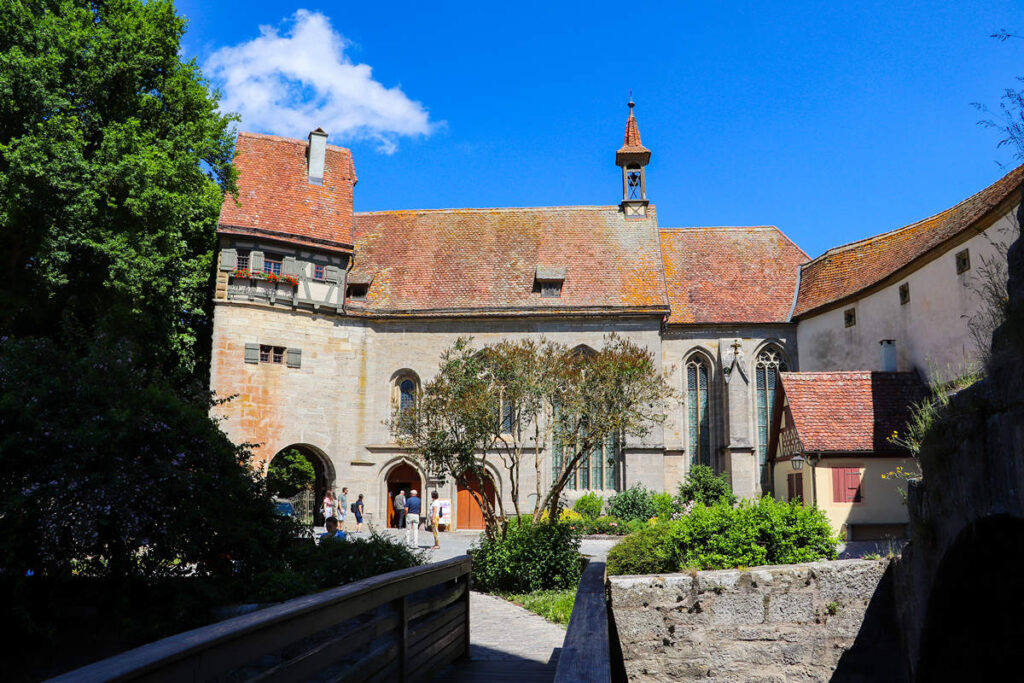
column 846, row 485
column 252, row 353
column 228, row 259
column 332, row 274
column 789, row 487
column 798, row 485
column 295, row 358
column 289, row 266
column 256, row 261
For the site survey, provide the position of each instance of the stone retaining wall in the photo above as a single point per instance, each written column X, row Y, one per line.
column 779, row 623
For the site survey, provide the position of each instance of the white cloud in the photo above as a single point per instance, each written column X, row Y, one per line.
column 290, row 84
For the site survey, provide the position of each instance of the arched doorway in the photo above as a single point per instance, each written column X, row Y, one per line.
column 467, row 509
column 323, row 475
column 403, row 477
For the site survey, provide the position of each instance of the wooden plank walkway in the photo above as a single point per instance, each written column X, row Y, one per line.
column 506, row 643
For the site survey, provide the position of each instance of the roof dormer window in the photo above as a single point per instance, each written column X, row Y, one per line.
column 548, row 281
column 357, row 292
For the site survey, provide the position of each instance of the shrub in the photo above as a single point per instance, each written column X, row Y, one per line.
column 633, row 504
column 605, row 525
column 529, row 558
column 704, row 486
column 664, row 504
column 589, row 505
column 722, row 536
column 572, row 517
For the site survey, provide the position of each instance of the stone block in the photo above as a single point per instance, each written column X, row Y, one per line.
column 791, row 607
column 737, row 608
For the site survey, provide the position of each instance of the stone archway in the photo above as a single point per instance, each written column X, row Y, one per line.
column 324, row 479
column 973, row 621
column 401, row 477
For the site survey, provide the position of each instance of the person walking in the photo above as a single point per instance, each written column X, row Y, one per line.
column 357, row 510
column 342, row 506
column 328, row 506
column 399, row 506
column 412, row 518
column 435, row 517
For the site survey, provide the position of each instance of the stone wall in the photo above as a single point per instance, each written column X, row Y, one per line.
column 779, row 623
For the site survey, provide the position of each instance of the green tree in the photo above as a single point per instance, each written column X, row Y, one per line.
column 702, row 485
column 114, row 161
column 289, row 473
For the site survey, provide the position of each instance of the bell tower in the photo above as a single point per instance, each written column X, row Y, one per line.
column 633, row 157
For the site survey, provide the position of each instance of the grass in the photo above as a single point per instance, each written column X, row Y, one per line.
column 553, row 605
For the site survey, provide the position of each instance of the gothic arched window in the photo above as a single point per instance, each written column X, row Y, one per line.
column 770, row 362
column 406, row 395
column 698, row 410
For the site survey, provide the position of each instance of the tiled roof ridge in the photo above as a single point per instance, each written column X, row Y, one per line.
column 292, row 141
column 860, row 374
column 909, row 226
column 774, row 228
column 577, row 207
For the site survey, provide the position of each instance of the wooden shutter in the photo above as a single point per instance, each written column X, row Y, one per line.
column 295, row 358
column 228, row 259
column 252, row 353
column 289, row 266
column 789, row 486
column 256, row 261
column 798, row 485
column 332, row 274
column 838, row 484
column 852, row 480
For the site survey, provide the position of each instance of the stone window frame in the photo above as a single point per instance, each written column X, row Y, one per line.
column 850, row 317
column 763, row 414
column 963, row 261
column 397, row 380
column 699, row 356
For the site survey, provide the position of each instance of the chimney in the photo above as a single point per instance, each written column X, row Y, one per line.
column 317, row 151
column 889, row 361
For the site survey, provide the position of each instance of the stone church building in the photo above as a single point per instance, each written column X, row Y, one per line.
column 327, row 320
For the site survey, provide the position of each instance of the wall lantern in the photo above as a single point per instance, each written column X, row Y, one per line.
column 797, row 461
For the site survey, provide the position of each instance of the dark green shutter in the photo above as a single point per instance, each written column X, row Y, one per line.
column 295, row 358
column 252, row 353
column 228, row 259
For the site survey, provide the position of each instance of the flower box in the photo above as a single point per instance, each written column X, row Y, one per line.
column 246, row 274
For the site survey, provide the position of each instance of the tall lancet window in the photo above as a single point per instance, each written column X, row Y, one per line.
column 698, row 407
column 770, row 363
column 406, row 395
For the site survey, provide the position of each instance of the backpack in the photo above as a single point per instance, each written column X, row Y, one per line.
column 354, row 510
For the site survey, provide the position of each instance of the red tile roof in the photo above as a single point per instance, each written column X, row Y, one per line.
column 730, row 275
column 485, row 261
column 632, row 149
column 847, row 270
column 276, row 199
column 850, row 412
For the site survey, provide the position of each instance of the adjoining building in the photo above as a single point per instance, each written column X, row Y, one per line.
column 327, row 320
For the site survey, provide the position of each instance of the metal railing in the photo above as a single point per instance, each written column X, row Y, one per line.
column 405, row 625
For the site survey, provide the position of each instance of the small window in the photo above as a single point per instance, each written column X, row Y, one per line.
column 272, row 264
column 904, row 294
column 850, row 317
column 318, row 271
column 551, row 289
column 243, row 261
column 271, row 354
column 963, row 261
column 358, row 292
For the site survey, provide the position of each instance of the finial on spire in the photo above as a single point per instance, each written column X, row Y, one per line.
column 631, row 103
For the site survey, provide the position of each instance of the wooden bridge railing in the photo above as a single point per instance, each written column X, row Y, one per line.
column 586, row 651
column 404, row 626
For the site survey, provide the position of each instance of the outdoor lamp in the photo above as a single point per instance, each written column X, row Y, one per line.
column 797, row 461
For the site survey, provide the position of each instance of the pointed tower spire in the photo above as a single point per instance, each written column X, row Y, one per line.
column 633, row 157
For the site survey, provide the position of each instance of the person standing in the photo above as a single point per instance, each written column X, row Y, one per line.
column 357, row 510
column 328, row 507
column 399, row 506
column 342, row 506
column 333, row 533
column 435, row 517
column 412, row 518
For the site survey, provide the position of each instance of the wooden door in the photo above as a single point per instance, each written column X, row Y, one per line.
column 468, row 512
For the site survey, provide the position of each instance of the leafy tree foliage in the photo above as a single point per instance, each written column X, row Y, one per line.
column 702, row 485
column 289, row 473
column 514, row 398
column 113, row 164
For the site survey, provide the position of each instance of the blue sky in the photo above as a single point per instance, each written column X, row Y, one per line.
column 833, row 121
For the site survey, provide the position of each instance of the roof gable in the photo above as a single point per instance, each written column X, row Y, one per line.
column 277, row 201
column 848, row 412
column 730, row 274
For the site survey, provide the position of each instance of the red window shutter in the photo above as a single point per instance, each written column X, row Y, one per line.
column 853, row 494
column 798, row 486
column 838, row 484
column 789, row 487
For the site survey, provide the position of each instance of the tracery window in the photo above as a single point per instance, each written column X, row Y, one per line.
column 698, row 410
column 597, row 471
column 770, row 362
